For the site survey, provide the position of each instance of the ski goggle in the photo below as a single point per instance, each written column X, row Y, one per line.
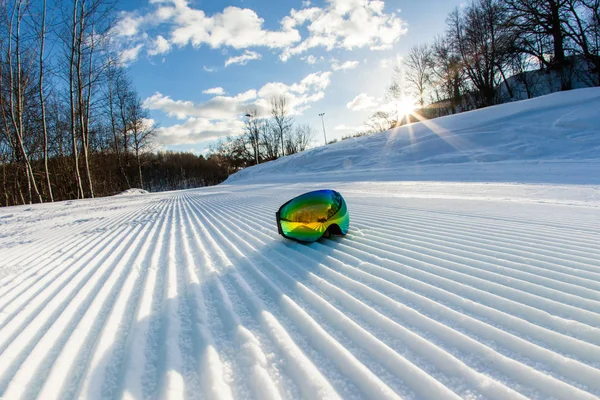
column 309, row 216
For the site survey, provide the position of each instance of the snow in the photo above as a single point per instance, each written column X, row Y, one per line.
column 555, row 136
column 132, row 192
column 460, row 277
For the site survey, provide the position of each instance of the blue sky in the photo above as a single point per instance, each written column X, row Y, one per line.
column 200, row 64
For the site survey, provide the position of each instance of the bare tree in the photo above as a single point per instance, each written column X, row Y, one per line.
column 87, row 29
column 142, row 130
column 269, row 140
column 50, row 128
column 381, row 121
column 448, row 72
column 72, row 51
column 303, row 136
column 42, row 99
column 418, row 65
column 299, row 139
column 115, row 89
column 582, row 27
column 252, row 132
column 280, row 114
column 231, row 153
column 396, row 92
column 5, row 152
column 481, row 36
column 19, row 84
column 123, row 95
column 521, row 66
column 540, row 23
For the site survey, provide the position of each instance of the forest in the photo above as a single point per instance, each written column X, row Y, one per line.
column 72, row 124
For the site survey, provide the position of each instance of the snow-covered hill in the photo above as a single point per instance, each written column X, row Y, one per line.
column 440, row 290
column 534, row 139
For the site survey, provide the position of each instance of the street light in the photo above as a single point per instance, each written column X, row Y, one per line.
column 323, row 121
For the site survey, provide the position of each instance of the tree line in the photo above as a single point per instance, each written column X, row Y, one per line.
column 72, row 124
column 494, row 51
column 268, row 135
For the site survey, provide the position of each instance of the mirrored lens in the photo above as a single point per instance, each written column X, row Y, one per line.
column 307, row 217
column 315, row 206
column 302, row 231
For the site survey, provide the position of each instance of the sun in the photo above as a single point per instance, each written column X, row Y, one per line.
column 406, row 106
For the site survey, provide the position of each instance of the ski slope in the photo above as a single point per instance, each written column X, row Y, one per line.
column 449, row 286
column 549, row 139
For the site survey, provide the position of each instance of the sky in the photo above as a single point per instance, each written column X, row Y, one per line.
column 200, row 65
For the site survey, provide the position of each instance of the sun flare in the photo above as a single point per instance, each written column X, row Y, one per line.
column 406, row 106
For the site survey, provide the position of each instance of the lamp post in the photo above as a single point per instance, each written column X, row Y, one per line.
column 323, row 122
column 254, row 133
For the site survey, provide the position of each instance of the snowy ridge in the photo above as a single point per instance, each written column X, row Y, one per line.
column 193, row 294
column 526, row 137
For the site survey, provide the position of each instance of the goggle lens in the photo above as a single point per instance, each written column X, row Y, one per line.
column 308, row 216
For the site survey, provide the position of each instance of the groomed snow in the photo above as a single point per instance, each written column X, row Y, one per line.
column 449, row 286
column 132, row 192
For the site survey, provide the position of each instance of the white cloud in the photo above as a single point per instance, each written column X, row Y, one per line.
column 219, row 107
column 299, row 95
column 308, row 90
column 381, row 47
column 195, row 130
column 347, row 24
column 219, row 91
column 209, row 69
column 222, row 115
column 309, row 59
column 244, row 58
column 160, row 46
column 128, row 25
column 347, row 65
column 362, row 102
column 235, row 27
column 131, row 54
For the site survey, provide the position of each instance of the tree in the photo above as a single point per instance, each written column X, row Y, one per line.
column 70, row 118
column 396, row 92
column 381, row 121
column 582, row 27
column 116, row 86
column 300, row 138
column 535, row 18
column 252, row 132
column 448, row 72
column 418, row 70
column 521, row 66
column 18, row 87
column 5, row 153
column 269, row 140
column 42, row 99
column 303, row 136
column 88, row 23
column 231, row 154
column 142, row 130
column 481, row 36
column 282, row 121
